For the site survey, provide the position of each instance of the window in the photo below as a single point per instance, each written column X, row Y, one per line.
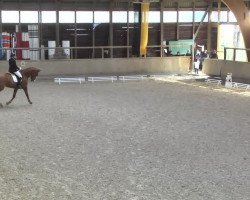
column 154, row 17
column 198, row 15
column 84, row 17
column 66, row 17
column 169, row 16
column 223, row 16
column 232, row 17
column 29, row 16
column 10, row 16
column 131, row 16
column 101, row 17
column 119, row 16
column 185, row 16
column 214, row 16
column 48, row 16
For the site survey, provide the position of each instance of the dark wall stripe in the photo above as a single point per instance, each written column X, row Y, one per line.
column 137, row 30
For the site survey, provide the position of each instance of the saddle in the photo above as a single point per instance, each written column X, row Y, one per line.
column 14, row 77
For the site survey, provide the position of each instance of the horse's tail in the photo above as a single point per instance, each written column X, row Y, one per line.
column 2, row 82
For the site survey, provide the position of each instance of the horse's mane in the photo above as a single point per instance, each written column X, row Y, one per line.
column 29, row 71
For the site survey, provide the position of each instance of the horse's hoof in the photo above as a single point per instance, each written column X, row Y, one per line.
column 1, row 105
column 30, row 102
column 7, row 103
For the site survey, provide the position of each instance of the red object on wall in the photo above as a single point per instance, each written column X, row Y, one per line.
column 25, row 53
column 6, row 40
column 25, row 44
column 19, row 45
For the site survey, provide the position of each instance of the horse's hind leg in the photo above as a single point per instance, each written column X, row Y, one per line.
column 13, row 97
column 1, row 88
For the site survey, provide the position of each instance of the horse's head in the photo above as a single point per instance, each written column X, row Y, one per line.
column 34, row 74
column 31, row 72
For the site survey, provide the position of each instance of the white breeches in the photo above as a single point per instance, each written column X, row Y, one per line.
column 196, row 64
column 18, row 74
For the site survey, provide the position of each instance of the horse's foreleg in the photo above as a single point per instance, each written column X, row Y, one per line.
column 13, row 97
column 25, row 89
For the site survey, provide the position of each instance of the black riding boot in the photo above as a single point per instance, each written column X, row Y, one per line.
column 19, row 80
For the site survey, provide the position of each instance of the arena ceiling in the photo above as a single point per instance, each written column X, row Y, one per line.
column 106, row 4
column 99, row 4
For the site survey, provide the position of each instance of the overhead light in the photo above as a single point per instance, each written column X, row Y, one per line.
column 80, row 34
column 78, row 29
column 188, row 24
column 125, row 27
column 146, row 1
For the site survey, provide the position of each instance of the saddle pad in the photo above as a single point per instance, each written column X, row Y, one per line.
column 14, row 78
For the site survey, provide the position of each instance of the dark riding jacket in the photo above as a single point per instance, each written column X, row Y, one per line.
column 12, row 65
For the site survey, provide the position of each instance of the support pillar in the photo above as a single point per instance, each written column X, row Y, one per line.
column 241, row 13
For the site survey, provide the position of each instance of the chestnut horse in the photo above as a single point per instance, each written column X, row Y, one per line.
column 7, row 81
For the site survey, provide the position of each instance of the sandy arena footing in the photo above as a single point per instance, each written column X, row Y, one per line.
column 126, row 141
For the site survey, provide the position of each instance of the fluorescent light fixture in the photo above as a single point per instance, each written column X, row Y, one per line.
column 78, row 29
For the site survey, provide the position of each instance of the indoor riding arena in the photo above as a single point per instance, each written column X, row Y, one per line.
column 134, row 140
column 119, row 116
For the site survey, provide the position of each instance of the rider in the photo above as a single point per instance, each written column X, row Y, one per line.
column 14, row 69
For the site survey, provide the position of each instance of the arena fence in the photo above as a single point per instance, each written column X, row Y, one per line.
column 93, row 79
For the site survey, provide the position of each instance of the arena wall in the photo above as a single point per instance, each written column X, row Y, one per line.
column 240, row 70
column 107, row 66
